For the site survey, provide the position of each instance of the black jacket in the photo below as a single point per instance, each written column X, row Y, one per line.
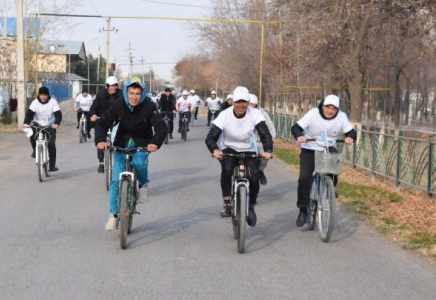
column 137, row 124
column 167, row 103
column 262, row 130
column 103, row 101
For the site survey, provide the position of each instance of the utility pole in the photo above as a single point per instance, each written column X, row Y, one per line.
column 98, row 65
column 108, row 30
column 142, row 61
column 21, row 93
column 151, row 79
column 130, row 60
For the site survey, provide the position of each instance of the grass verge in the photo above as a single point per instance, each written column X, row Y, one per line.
column 401, row 217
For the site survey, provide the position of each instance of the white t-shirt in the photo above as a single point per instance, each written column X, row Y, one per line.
column 44, row 112
column 183, row 105
column 214, row 104
column 238, row 134
column 314, row 125
column 194, row 100
column 155, row 99
column 83, row 103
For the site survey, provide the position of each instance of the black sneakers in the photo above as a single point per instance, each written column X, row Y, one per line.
column 33, row 154
column 89, row 135
column 252, row 218
column 53, row 169
column 227, row 209
column 262, row 178
column 179, row 130
column 302, row 216
column 171, row 136
column 100, row 168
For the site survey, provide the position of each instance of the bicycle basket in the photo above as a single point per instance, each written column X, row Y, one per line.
column 328, row 162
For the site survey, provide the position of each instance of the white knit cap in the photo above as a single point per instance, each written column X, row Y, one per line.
column 331, row 100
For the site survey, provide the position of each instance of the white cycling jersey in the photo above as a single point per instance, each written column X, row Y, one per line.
column 44, row 111
column 195, row 100
column 214, row 104
column 183, row 105
column 83, row 103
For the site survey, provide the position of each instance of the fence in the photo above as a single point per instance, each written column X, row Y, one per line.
column 408, row 161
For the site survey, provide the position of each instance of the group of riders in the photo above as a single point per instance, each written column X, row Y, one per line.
column 239, row 124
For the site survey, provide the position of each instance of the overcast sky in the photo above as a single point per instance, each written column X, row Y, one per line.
column 156, row 41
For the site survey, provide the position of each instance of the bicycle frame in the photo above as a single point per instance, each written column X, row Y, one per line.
column 41, row 139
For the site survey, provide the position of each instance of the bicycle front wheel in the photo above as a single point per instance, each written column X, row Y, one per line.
column 124, row 212
column 313, row 204
column 40, row 162
column 81, row 132
column 326, row 210
column 241, row 216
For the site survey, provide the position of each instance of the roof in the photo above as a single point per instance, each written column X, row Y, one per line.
column 63, row 47
column 55, row 76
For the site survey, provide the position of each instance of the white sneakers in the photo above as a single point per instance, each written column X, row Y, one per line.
column 111, row 223
column 143, row 194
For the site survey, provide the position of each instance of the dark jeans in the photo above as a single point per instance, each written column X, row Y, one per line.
column 196, row 113
column 228, row 164
column 307, row 166
column 88, row 119
column 170, row 117
column 51, row 144
column 209, row 115
column 188, row 116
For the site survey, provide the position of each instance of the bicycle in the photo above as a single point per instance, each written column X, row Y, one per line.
column 166, row 120
column 184, row 128
column 108, row 159
column 213, row 111
column 42, row 157
column 240, row 199
column 128, row 193
column 82, row 128
column 322, row 191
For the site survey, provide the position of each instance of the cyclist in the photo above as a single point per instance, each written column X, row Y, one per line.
column 228, row 103
column 44, row 111
column 195, row 100
column 155, row 99
column 102, row 102
column 83, row 104
column 167, row 106
column 138, row 118
column 212, row 103
column 236, row 127
column 254, row 103
column 184, row 106
column 327, row 117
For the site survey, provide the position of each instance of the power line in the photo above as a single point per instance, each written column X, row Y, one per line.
column 198, row 6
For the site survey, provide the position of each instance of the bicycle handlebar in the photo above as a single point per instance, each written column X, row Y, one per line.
column 314, row 140
column 129, row 150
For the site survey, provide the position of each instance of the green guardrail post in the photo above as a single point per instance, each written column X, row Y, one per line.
column 374, row 154
column 398, row 175
column 430, row 168
column 355, row 148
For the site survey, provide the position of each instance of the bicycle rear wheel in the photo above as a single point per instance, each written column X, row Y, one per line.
column 184, row 131
column 123, row 211
column 313, row 204
column 40, row 164
column 326, row 210
column 85, row 134
column 108, row 167
column 241, row 216
column 81, row 132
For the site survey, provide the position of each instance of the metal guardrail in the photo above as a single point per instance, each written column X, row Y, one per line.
column 405, row 160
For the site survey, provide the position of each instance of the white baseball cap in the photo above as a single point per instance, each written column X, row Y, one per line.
column 331, row 100
column 192, row 91
column 241, row 93
column 185, row 93
column 213, row 92
column 229, row 96
column 253, row 99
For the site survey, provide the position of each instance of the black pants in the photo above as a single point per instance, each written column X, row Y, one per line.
column 88, row 119
column 307, row 166
column 209, row 115
column 51, row 144
column 188, row 116
column 170, row 117
column 228, row 164
column 196, row 113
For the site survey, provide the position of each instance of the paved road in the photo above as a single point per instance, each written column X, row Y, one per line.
column 53, row 244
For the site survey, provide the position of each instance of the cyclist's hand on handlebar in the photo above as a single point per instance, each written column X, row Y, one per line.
column 301, row 139
column 217, row 154
column 348, row 141
column 102, row 146
column 266, row 155
column 93, row 118
column 54, row 126
column 151, row 148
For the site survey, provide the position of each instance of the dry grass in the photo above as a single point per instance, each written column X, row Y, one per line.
column 9, row 128
column 405, row 216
